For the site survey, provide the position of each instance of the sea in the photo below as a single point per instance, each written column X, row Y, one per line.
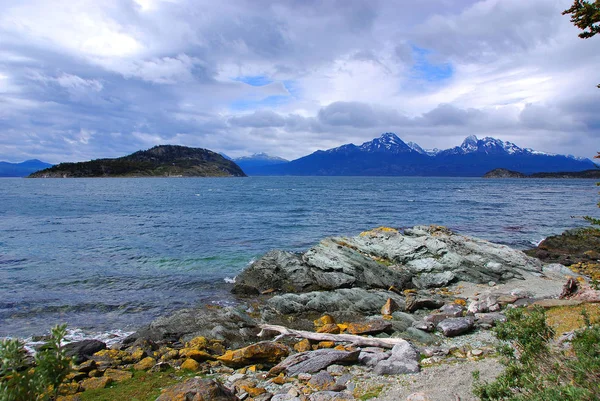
column 106, row 256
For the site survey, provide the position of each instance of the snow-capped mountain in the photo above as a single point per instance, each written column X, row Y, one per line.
column 389, row 155
column 258, row 160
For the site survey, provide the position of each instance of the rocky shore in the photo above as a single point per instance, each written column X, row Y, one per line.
column 383, row 315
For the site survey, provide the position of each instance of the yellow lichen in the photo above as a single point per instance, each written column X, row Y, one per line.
column 567, row 318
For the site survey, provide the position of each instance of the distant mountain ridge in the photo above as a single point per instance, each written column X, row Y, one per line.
column 255, row 162
column 159, row 161
column 388, row 155
column 22, row 169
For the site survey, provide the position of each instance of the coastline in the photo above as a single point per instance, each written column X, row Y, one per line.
column 229, row 351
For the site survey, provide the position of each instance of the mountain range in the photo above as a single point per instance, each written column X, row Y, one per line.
column 22, row 169
column 388, row 155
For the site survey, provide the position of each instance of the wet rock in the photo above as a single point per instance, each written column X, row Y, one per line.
column 456, row 326
column 375, row 326
column 81, row 351
column 197, row 389
column 314, row 361
column 265, row 352
column 230, row 324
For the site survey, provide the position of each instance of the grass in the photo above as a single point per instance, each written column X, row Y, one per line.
column 567, row 318
column 369, row 393
column 143, row 386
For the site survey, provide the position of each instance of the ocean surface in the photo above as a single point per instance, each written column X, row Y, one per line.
column 109, row 255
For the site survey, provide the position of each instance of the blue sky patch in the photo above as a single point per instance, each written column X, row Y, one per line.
column 254, row 80
column 426, row 69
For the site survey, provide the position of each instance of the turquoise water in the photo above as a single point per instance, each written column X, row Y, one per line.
column 102, row 254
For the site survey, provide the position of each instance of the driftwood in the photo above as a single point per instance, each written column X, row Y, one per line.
column 355, row 340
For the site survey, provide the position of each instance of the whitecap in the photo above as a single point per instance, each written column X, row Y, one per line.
column 229, row 280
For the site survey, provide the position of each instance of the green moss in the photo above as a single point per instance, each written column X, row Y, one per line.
column 143, row 386
column 368, row 394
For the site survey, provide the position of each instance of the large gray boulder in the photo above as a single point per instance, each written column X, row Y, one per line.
column 314, row 361
column 233, row 325
column 404, row 359
column 347, row 300
column 422, row 257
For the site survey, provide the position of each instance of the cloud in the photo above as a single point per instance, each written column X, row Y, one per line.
column 87, row 79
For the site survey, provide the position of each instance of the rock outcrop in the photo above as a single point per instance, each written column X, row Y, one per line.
column 421, row 257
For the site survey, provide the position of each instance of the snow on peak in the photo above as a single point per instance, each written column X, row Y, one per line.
column 386, row 142
column 470, row 143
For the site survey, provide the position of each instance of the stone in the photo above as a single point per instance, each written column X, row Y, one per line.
column 452, row 310
column 195, row 354
column 346, row 300
column 324, row 321
column 302, row 345
column 435, row 318
column 372, row 356
column 87, row 366
column 329, row 328
column 94, row 383
column 390, row 307
column 265, row 352
column 369, row 327
column 322, row 381
column 230, row 324
column 331, row 396
column 145, row 364
column 434, row 280
column 335, row 370
column 418, row 397
column 489, row 318
column 404, row 359
column 118, row 375
column 191, row 365
column 413, row 303
column 326, row 344
column 455, row 326
column 424, row 325
column 198, row 343
column 314, row 361
column 69, row 388
column 81, row 351
column 197, row 389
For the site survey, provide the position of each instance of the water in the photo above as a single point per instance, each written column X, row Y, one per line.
column 112, row 254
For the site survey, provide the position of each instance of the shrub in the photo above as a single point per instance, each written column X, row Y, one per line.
column 537, row 371
column 20, row 380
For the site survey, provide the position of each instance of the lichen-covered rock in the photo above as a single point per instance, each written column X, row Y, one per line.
column 197, row 389
column 302, row 345
column 145, row 364
column 329, row 329
column 423, row 256
column 118, row 375
column 191, row 365
column 265, row 352
column 375, row 326
column 94, row 383
column 196, row 354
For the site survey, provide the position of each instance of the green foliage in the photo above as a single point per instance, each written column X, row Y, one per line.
column 585, row 15
column 22, row 381
column 537, row 372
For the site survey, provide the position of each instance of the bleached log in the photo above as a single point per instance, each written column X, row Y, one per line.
column 350, row 338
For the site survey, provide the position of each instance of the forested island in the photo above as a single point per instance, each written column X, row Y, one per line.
column 504, row 173
column 159, row 161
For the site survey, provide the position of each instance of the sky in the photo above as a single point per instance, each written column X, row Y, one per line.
column 86, row 79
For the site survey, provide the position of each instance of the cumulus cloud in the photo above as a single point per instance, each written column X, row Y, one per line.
column 87, row 79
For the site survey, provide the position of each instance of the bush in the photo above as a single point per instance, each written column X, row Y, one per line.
column 20, row 380
column 536, row 371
